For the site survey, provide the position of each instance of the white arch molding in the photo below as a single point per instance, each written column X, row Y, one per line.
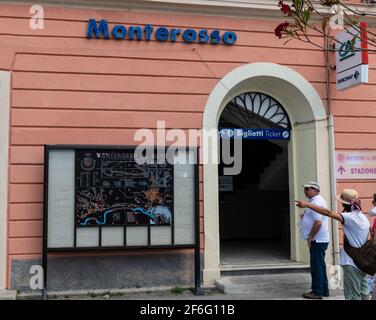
column 308, row 151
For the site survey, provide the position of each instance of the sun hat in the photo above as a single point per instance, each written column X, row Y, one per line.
column 312, row 184
column 347, row 195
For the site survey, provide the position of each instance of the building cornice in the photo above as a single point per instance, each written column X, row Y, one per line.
column 239, row 8
column 262, row 9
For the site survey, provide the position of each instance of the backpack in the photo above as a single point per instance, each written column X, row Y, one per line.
column 365, row 256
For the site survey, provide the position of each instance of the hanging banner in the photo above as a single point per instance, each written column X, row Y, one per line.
column 352, row 57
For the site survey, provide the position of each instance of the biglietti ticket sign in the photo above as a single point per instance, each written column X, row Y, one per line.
column 352, row 57
column 254, row 134
column 356, row 164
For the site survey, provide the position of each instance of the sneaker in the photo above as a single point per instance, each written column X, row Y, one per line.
column 311, row 295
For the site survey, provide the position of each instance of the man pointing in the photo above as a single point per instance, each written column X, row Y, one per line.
column 314, row 229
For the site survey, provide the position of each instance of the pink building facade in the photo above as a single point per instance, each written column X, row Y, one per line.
column 59, row 87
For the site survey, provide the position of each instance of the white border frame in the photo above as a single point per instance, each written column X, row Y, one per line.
column 4, row 167
column 309, row 128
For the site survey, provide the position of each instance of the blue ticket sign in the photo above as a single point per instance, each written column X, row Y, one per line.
column 254, row 134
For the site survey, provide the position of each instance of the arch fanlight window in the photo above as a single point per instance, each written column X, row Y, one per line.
column 254, row 110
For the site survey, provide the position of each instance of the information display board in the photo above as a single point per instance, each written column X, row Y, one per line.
column 99, row 197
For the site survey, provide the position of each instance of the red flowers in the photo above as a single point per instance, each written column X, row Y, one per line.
column 285, row 8
column 280, row 28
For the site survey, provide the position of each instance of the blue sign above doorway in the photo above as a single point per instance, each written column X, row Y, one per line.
column 161, row 34
column 254, row 133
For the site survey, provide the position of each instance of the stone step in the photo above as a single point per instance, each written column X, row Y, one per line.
column 238, row 270
column 282, row 286
column 265, row 282
column 8, row 294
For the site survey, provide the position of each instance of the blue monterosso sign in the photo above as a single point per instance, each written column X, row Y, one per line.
column 120, row 32
column 254, row 134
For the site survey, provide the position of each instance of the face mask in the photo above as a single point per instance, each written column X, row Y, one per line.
column 372, row 212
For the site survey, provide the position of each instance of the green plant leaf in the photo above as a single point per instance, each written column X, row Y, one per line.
column 177, row 290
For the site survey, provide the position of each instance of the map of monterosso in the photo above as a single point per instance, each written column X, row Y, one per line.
column 112, row 189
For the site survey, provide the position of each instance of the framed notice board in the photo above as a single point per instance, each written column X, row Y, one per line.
column 101, row 198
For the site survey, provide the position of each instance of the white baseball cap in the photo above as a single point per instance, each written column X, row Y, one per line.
column 312, row 184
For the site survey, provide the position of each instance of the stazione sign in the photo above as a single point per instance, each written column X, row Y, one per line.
column 356, row 164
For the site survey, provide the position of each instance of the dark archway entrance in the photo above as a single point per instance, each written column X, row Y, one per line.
column 254, row 219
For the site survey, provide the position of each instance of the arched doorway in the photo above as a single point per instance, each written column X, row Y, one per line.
column 254, row 209
column 308, row 151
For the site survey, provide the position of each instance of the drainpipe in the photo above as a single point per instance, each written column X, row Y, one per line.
column 333, row 189
column 332, row 164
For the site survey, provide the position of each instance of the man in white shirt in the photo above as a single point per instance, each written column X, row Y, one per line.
column 314, row 229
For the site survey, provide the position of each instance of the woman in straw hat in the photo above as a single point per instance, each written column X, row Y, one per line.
column 355, row 227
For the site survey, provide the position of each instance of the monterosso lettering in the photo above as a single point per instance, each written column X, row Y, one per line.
column 161, row 34
column 114, row 155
